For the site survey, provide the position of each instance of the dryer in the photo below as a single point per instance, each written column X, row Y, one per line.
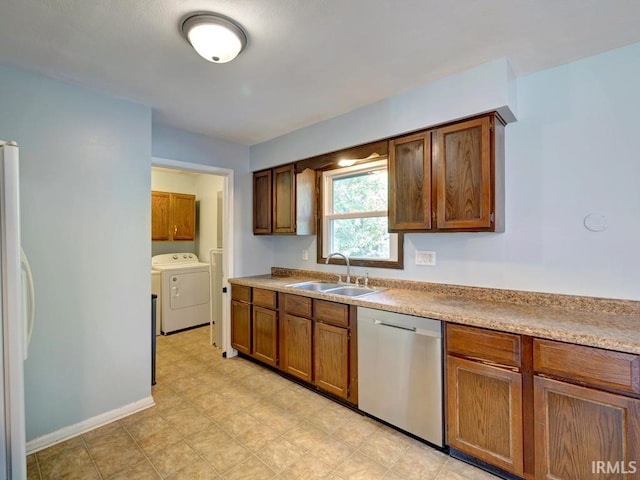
column 186, row 291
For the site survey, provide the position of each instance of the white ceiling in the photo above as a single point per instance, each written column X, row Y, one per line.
column 306, row 60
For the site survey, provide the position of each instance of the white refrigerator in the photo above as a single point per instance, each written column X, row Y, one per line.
column 16, row 295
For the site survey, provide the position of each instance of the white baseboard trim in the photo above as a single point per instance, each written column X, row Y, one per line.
column 71, row 431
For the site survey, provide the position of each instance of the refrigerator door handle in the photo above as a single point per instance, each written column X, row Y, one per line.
column 29, row 311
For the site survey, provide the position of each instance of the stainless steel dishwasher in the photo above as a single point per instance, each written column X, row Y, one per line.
column 400, row 371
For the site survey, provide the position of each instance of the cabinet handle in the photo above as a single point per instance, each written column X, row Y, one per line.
column 175, row 229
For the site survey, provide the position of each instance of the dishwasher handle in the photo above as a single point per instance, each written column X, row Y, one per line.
column 417, row 331
column 394, row 325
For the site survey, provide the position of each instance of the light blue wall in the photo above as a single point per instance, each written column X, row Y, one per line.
column 252, row 254
column 572, row 152
column 485, row 88
column 85, row 181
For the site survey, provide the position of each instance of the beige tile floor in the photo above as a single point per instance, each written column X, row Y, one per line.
column 234, row 420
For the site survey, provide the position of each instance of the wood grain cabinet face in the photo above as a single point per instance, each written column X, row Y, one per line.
column 599, row 368
column 173, row 216
column 486, row 345
column 160, row 216
column 284, row 202
column 448, row 179
column 410, row 183
column 262, row 192
column 284, row 199
column 241, row 326
column 484, row 413
column 297, row 347
column 576, row 427
column 183, row 216
column 464, row 181
column 331, row 358
column 265, row 335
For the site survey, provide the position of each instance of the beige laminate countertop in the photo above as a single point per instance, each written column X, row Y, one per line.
column 592, row 326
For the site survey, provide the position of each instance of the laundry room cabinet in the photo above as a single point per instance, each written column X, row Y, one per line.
column 173, row 216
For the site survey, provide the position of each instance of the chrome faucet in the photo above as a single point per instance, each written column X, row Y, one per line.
column 346, row 259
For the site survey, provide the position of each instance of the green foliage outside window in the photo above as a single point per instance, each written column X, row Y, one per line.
column 365, row 237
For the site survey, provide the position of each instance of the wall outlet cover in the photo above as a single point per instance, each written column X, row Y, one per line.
column 425, row 257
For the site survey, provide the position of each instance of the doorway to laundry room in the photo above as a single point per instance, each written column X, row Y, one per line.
column 191, row 247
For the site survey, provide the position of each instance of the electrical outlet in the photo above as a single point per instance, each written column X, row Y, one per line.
column 305, row 254
column 425, row 258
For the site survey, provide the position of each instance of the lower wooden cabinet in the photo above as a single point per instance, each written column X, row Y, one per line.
column 265, row 335
column 331, row 358
column 241, row 326
column 484, row 412
column 296, row 346
column 585, row 433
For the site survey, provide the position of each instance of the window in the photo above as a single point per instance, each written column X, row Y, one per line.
column 355, row 217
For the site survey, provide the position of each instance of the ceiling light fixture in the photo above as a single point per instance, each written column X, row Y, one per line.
column 216, row 38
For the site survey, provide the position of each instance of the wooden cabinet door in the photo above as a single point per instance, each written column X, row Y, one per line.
column 160, row 217
column 183, row 216
column 584, row 433
column 331, row 358
column 484, row 413
column 241, row 326
column 464, row 175
column 284, row 199
column 296, row 346
column 410, row 183
column 262, row 191
column 265, row 335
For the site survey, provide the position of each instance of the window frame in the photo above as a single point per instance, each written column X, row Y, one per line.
column 325, row 178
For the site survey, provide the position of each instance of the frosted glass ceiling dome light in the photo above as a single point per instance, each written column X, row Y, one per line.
column 216, row 38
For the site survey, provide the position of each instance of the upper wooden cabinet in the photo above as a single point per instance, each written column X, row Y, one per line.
column 262, row 202
column 449, row 178
column 410, row 182
column 173, row 216
column 284, row 201
column 160, row 216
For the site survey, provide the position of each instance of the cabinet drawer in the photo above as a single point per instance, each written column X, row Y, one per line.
column 331, row 312
column 241, row 293
column 297, row 305
column 265, row 298
column 496, row 347
column 589, row 365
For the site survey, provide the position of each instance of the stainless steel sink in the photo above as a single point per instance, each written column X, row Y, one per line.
column 336, row 288
column 353, row 291
column 314, row 286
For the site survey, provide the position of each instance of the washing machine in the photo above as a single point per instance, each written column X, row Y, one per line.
column 185, row 291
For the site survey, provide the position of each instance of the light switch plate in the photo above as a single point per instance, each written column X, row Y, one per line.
column 305, row 254
column 424, row 257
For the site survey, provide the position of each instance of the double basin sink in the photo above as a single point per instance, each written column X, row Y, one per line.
column 348, row 290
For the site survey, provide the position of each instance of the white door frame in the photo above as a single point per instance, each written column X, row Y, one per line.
column 227, row 239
